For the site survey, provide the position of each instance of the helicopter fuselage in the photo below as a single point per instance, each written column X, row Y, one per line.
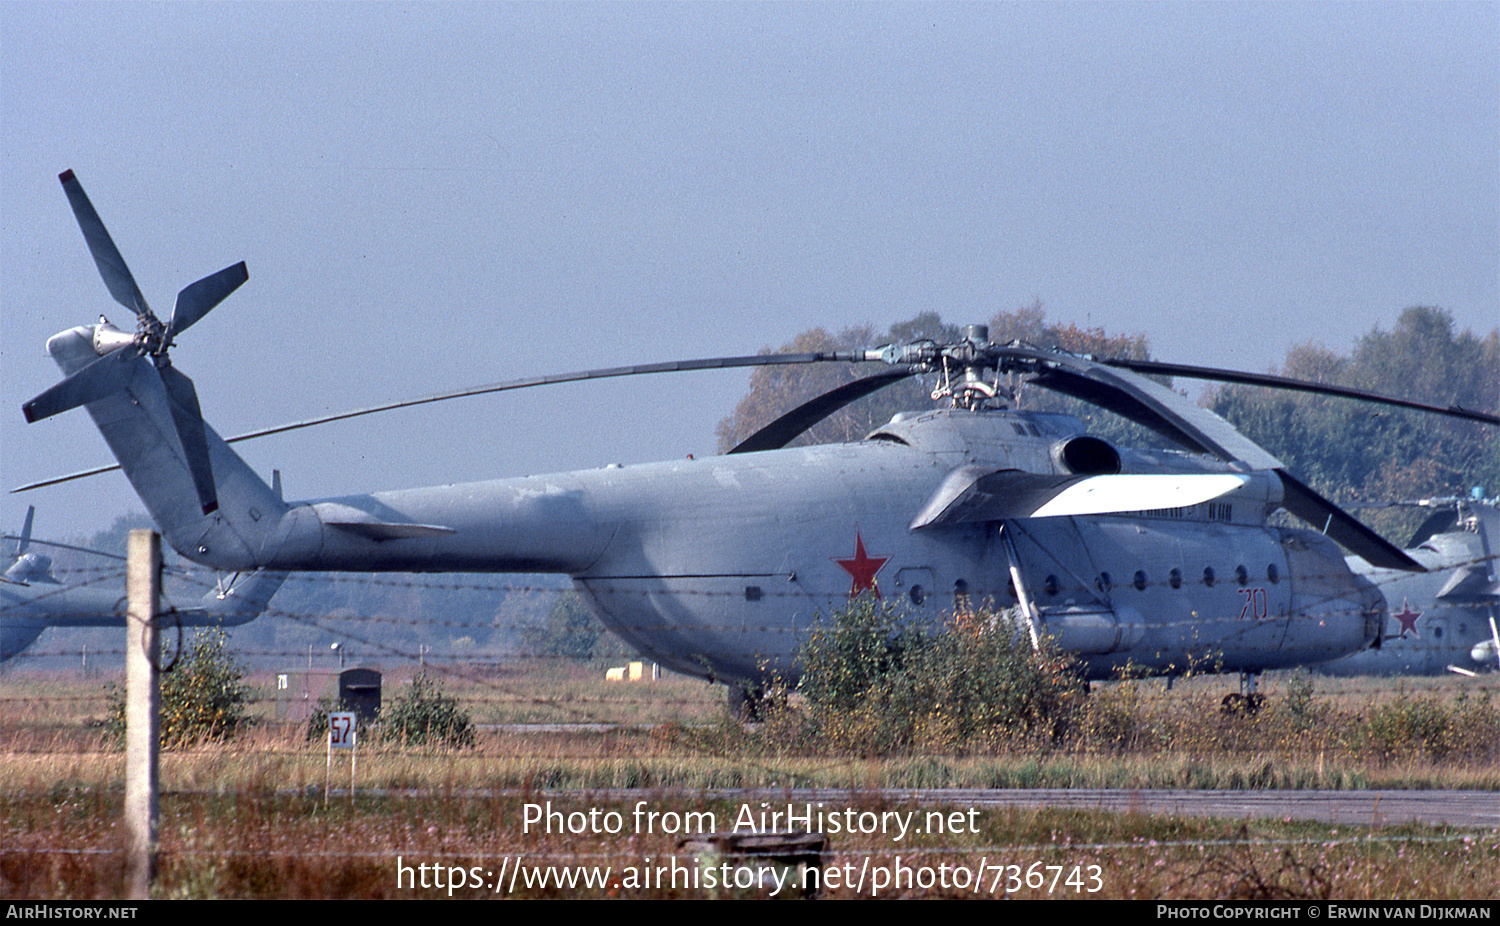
column 720, row 567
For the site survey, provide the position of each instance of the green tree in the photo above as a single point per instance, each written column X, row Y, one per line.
column 571, row 630
column 1357, row 452
column 202, row 696
column 426, row 716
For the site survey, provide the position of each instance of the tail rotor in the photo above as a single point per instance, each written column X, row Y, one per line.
column 153, row 339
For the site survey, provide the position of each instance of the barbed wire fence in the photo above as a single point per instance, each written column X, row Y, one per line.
column 493, row 679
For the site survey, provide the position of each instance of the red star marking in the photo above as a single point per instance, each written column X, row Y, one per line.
column 862, row 568
column 1408, row 619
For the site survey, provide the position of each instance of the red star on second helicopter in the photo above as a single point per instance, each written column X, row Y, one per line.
column 1408, row 619
column 862, row 568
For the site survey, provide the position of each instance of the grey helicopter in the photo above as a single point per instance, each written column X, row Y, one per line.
column 32, row 598
column 1148, row 561
column 1449, row 616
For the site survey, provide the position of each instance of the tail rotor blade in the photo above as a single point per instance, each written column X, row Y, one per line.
column 198, row 300
column 105, row 376
column 188, row 418
column 111, row 265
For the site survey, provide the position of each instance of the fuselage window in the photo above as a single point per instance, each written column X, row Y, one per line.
column 1273, row 573
column 1050, row 586
column 1140, row 580
column 1208, row 576
column 1242, row 575
column 1174, row 578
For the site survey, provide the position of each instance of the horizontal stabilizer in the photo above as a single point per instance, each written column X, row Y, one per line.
column 1470, row 583
column 974, row 493
column 237, row 600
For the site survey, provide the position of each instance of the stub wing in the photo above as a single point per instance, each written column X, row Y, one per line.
column 976, row 493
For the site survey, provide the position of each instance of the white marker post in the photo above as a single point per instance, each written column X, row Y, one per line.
column 343, row 732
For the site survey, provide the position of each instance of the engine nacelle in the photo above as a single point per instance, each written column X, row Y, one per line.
column 1086, row 456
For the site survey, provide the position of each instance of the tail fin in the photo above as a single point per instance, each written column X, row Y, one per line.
column 138, row 423
column 242, row 601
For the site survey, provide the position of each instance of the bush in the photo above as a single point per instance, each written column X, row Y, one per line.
column 426, row 716
column 1299, row 703
column 1409, row 725
column 202, row 697
column 878, row 683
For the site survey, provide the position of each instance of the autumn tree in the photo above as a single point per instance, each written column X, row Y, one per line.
column 1357, row 452
column 1349, row 451
column 777, row 390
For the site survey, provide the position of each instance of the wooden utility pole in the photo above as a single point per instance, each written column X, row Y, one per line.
column 142, row 714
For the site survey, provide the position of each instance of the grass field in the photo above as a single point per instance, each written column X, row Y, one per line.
column 247, row 818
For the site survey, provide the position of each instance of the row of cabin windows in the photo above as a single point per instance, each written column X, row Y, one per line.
column 1052, row 586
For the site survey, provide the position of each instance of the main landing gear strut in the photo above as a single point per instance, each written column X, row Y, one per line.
column 1247, row 700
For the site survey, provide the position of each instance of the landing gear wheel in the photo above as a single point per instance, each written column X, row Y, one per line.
column 748, row 705
column 1236, row 704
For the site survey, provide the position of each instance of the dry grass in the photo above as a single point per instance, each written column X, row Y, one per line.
column 263, row 843
column 247, row 819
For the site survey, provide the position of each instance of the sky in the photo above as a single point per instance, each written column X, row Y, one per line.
column 431, row 196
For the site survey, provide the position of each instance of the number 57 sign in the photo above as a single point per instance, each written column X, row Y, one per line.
column 341, row 735
column 341, row 730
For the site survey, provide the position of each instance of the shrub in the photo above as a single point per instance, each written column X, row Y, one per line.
column 202, row 697
column 427, row 716
column 878, row 683
column 1299, row 703
column 1417, row 725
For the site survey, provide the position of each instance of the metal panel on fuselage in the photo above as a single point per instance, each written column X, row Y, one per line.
column 1127, row 565
column 724, row 568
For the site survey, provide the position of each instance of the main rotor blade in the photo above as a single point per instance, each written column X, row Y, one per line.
column 105, row 376
column 107, row 257
column 1342, row 526
column 675, row 366
column 65, row 546
column 790, row 426
column 1214, row 374
column 198, row 299
column 1149, row 403
column 188, row 417
column 1145, row 402
column 678, row 366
